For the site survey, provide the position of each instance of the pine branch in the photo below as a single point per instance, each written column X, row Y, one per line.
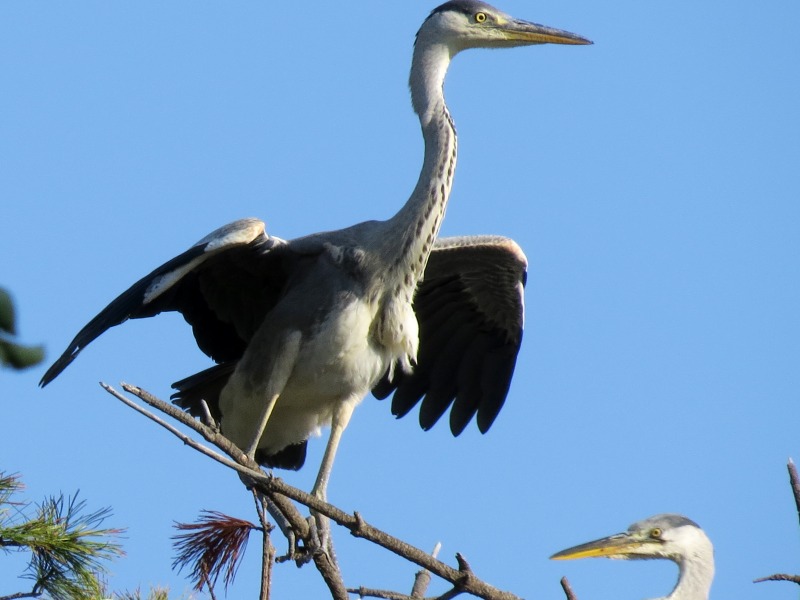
column 156, row 593
column 12, row 353
column 215, row 543
column 21, row 595
column 67, row 547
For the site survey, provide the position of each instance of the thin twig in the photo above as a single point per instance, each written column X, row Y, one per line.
column 206, row 432
column 463, row 578
column 449, row 595
column 779, row 577
column 423, row 577
column 463, row 565
column 210, row 588
column 240, row 463
column 365, row 592
column 794, row 481
column 267, row 550
column 568, row 589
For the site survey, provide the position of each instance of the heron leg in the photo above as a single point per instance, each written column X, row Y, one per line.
column 262, row 425
column 341, row 418
column 251, row 384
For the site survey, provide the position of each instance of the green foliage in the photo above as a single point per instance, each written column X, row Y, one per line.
column 67, row 547
column 12, row 353
column 156, row 593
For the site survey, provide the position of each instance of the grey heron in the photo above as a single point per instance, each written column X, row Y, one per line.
column 302, row 330
column 669, row 536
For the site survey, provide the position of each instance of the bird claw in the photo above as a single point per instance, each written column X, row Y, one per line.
column 318, row 541
column 318, row 532
column 319, row 536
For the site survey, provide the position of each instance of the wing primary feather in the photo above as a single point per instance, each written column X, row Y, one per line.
column 469, row 384
column 129, row 303
column 495, row 382
column 154, row 293
column 470, row 309
column 443, row 380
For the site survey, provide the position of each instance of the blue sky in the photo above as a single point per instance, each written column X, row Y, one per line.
column 652, row 179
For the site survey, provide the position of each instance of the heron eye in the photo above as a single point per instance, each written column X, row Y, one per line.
column 655, row 533
column 480, row 17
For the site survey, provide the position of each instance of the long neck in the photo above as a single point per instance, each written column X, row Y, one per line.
column 694, row 582
column 411, row 232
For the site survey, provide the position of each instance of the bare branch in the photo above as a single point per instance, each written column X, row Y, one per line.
column 365, row 592
column 463, row 565
column 779, row 577
column 449, row 594
column 240, row 463
column 421, row 582
column 568, row 589
column 423, row 577
column 794, row 481
column 21, row 595
column 206, row 432
column 463, row 579
column 267, row 550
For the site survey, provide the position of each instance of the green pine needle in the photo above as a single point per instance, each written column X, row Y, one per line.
column 68, row 548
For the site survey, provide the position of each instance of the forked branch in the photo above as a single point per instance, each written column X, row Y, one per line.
column 280, row 493
column 794, row 482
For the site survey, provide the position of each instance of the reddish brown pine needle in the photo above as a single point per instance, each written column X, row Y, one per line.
column 215, row 543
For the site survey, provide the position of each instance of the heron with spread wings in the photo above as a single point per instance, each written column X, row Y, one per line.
column 302, row 330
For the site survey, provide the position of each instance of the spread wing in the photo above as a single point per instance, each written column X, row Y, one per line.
column 470, row 309
column 224, row 285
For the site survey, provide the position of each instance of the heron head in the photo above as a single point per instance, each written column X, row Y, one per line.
column 463, row 24
column 669, row 536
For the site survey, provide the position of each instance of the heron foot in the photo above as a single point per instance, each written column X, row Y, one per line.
column 320, row 539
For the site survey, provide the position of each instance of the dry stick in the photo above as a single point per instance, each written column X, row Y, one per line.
column 21, row 595
column 329, row 573
column 241, row 463
column 794, row 481
column 779, row 577
column 365, row 592
column 210, row 587
column 244, row 465
column 462, row 578
column 449, row 595
column 421, row 582
column 568, row 589
column 423, row 578
column 267, row 551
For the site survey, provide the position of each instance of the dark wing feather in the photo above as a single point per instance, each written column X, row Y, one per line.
column 205, row 284
column 470, row 310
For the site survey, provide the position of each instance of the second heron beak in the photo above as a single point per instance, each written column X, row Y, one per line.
column 621, row 545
